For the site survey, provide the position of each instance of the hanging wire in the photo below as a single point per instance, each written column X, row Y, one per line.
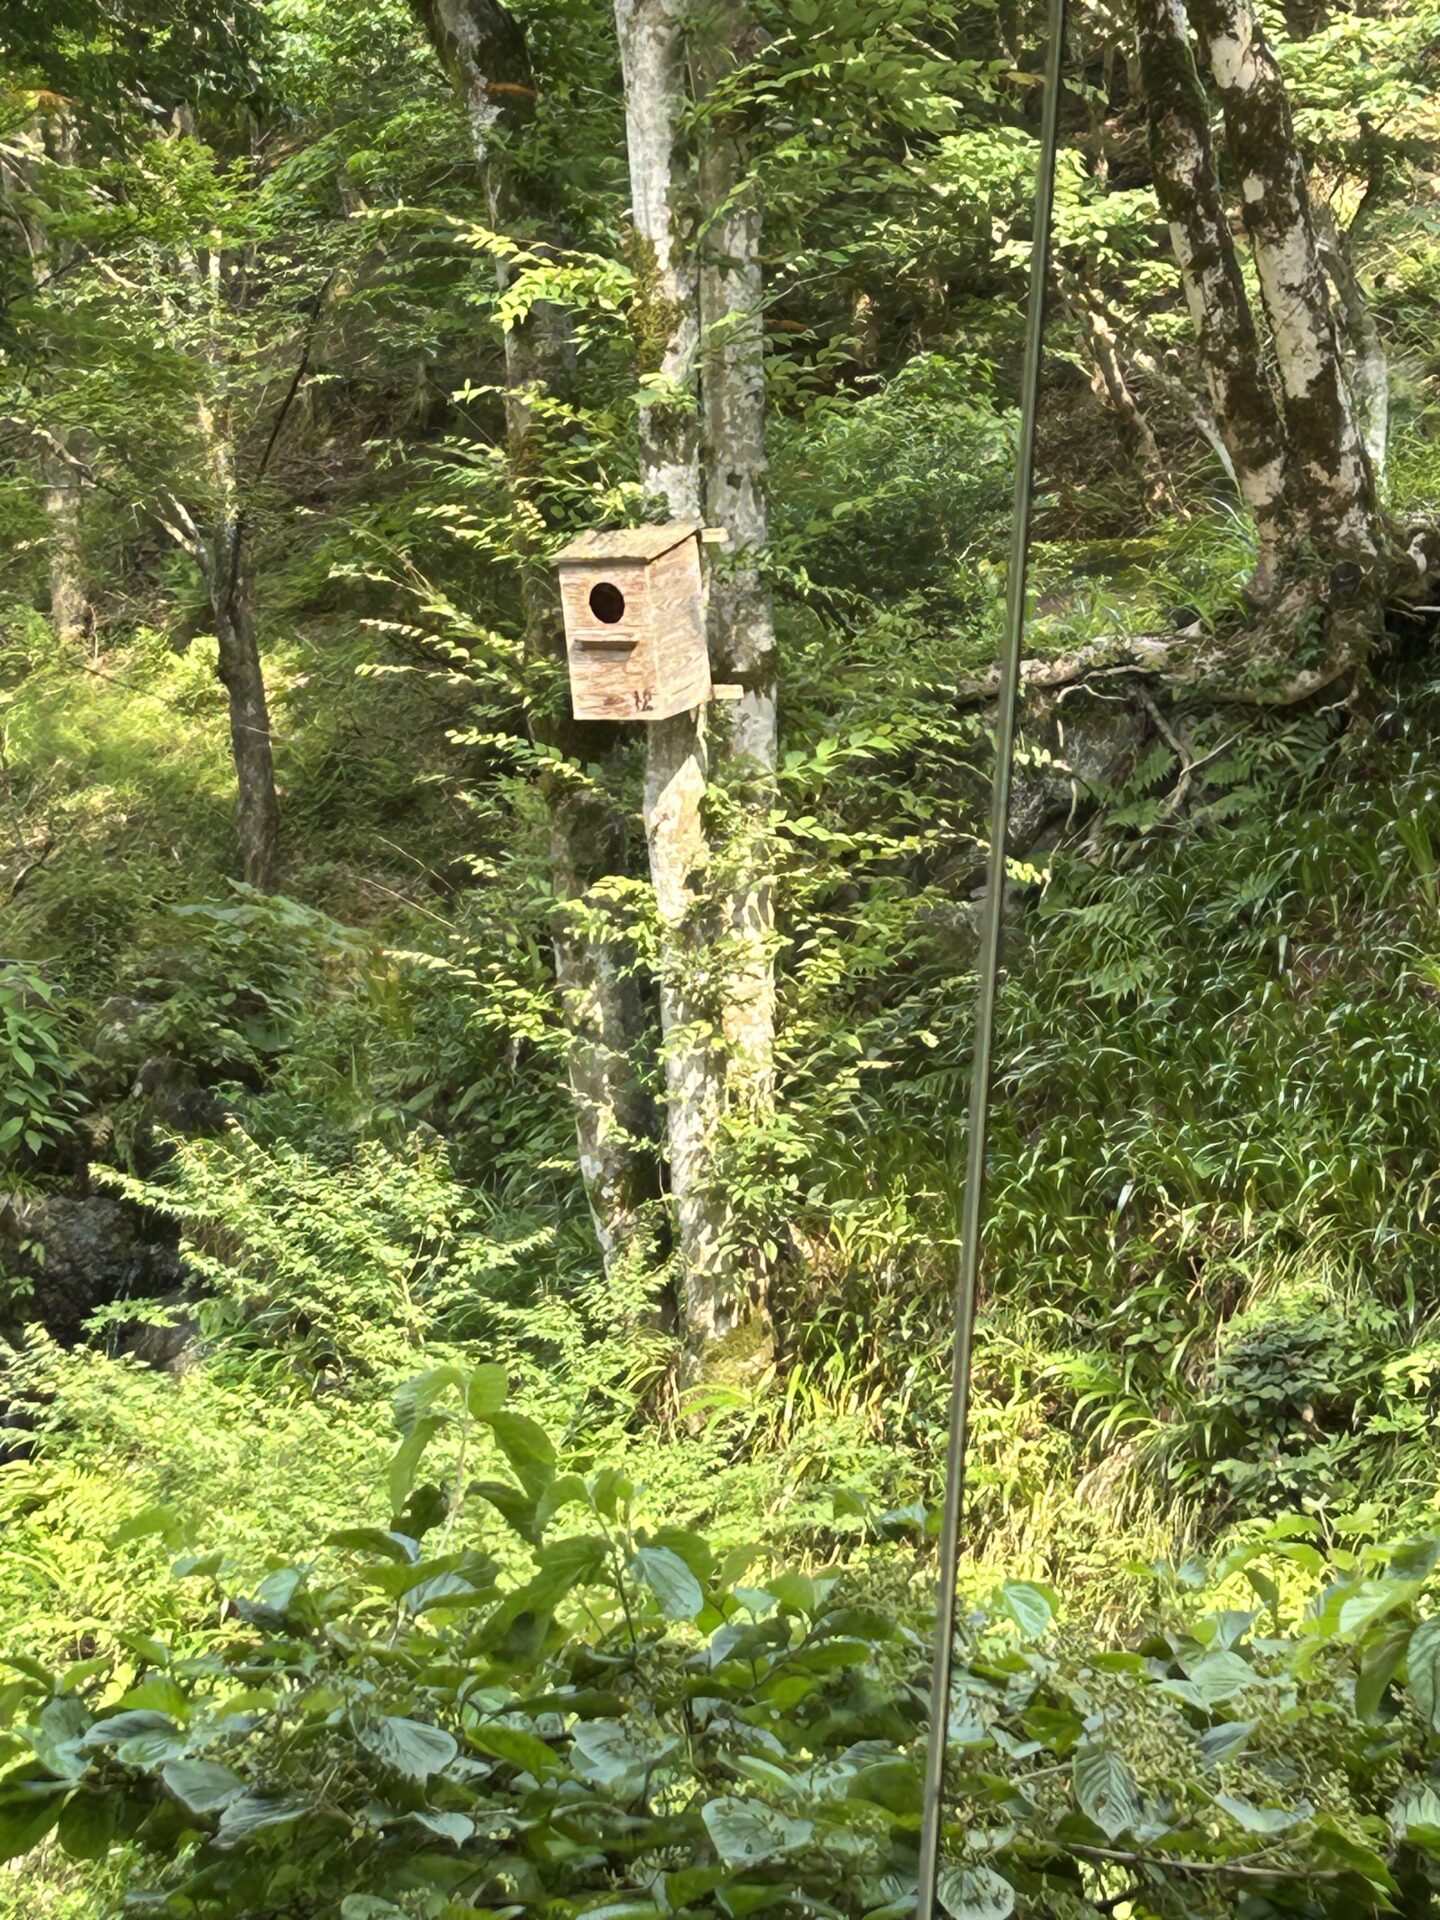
column 992, row 917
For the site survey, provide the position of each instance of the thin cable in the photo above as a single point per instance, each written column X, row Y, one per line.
column 992, row 917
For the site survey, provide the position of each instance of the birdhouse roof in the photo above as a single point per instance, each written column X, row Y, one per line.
column 635, row 544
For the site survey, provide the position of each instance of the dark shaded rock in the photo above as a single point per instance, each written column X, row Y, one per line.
column 170, row 1344
column 77, row 1253
column 169, row 1101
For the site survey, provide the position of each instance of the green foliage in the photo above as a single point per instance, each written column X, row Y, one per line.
column 247, row 265
column 36, row 1106
column 623, row 1719
column 337, row 1269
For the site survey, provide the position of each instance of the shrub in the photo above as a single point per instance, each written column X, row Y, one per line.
column 35, row 1067
column 424, row 1720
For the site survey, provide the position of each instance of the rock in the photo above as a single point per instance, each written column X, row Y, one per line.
column 76, row 1253
column 120, row 1034
column 170, row 1100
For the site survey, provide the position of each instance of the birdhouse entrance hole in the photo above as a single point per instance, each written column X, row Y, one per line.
column 607, row 602
column 634, row 605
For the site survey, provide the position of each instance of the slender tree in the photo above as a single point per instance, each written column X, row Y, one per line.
column 677, row 758
column 742, row 626
column 697, row 255
column 483, row 51
column 30, row 155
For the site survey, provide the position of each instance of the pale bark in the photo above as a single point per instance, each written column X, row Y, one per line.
column 1330, row 489
column 653, row 61
column 69, row 603
column 483, row 52
column 742, row 626
column 1369, row 362
column 1226, row 336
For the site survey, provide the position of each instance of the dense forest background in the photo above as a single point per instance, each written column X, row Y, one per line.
column 378, row 1045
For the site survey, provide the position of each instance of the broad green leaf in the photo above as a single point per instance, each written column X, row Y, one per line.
column 1335, row 1846
column 486, row 1390
column 1217, row 1744
column 747, row 1832
column 609, row 1754
column 515, row 1747
column 610, row 1490
column 527, row 1447
column 1378, row 1667
column 58, row 1738
column 415, row 1397
column 1415, row 1816
column 1263, row 1819
column 409, row 1747
column 125, row 1726
column 86, row 1828
column 1030, row 1606
column 406, row 1463
column 201, row 1786
column 679, row 1593
column 568, row 1491
column 1422, row 1671
column 1219, row 1676
column 148, row 1751
column 1105, row 1788
column 158, row 1693
column 256, row 1813
column 382, row 1540
column 794, row 1590
column 28, row 1810
column 152, row 1522
column 455, row 1827
column 975, row 1893
column 516, row 1507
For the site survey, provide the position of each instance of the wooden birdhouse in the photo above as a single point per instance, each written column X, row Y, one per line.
column 635, row 622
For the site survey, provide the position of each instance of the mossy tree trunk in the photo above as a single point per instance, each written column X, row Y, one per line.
column 677, row 750
column 1329, row 483
column 700, row 332
column 742, row 626
column 1226, row 336
column 482, row 49
column 1298, row 445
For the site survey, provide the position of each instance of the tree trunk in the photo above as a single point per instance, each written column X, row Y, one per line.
column 1330, row 488
column 667, row 316
column 482, row 50
column 69, row 603
column 225, row 561
column 742, row 627
column 1226, row 337
column 1110, row 386
column 1369, row 363
column 257, row 807
column 59, row 473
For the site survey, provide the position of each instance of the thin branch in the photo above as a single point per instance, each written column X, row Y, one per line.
column 1226, row 1869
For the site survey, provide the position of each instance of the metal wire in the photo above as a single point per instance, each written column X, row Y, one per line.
column 992, row 917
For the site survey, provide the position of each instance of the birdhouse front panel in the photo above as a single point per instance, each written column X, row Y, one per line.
column 635, row 623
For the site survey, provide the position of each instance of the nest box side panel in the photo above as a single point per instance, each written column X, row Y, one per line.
column 607, row 639
column 677, row 620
